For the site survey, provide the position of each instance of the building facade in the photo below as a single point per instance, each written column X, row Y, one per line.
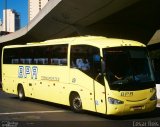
column 0, row 25
column 34, row 7
column 11, row 20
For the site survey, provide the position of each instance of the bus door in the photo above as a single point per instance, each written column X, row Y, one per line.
column 86, row 59
column 99, row 87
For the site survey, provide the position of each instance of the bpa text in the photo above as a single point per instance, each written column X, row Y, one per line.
column 24, row 71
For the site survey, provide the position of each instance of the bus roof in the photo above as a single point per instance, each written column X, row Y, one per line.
column 97, row 41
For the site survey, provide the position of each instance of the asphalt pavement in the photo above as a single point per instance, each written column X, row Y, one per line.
column 35, row 113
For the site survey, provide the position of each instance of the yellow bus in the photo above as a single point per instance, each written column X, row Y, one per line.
column 99, row 74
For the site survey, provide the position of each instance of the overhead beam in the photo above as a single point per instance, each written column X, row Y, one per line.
column 61, row 18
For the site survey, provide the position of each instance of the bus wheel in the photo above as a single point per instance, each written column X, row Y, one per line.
column 21, row 93
column 76, row 103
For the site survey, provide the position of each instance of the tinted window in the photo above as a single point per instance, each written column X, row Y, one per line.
column 87, row 59
column 44, row 55
column 128, row 68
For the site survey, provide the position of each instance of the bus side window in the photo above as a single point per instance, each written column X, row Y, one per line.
column 40, row 55
column 87, row 59
column 22, row 61
column 82, row 58
column 25, row 60
column 55, row 61
column 35, row 61
column 63, row 61
column 43, row 61
column 58, row 55
column 15, row 61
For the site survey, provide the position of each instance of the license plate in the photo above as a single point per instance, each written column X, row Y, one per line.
column 137, row 107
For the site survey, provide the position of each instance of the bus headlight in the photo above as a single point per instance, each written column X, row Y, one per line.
column 154, row 97
column 114, row 101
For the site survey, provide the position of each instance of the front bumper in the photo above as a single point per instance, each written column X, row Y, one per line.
column 131, row 108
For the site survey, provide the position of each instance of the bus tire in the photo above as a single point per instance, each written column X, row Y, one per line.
column 75, row 102
column 21, row 93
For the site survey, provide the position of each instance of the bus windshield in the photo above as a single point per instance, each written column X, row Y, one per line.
column 128, row 68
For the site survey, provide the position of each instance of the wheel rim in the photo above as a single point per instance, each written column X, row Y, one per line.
column 20, row 93
column 77, row 104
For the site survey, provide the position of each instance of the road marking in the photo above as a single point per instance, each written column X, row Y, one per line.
column 32, row 112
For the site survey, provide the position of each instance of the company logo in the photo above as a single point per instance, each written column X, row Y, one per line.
column 127, row 94
column 24, row 71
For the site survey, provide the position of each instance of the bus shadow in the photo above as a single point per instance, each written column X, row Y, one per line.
column 41, row 102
